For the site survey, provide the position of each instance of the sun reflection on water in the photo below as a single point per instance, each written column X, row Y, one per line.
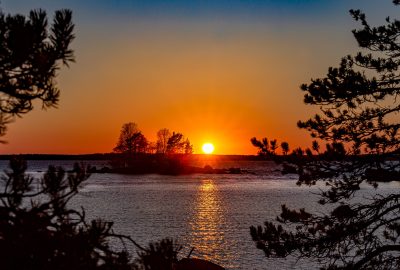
column 207, row 233
column 208, row 186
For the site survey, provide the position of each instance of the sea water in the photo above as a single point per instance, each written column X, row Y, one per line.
column 210, row 213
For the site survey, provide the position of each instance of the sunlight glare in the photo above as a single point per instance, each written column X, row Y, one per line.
column 208, row 148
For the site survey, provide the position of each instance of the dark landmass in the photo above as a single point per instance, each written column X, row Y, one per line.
column 169, row 170
column 180, row 164
column 177, row 164
column 109, row 156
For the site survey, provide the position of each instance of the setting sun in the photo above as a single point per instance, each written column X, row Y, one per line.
column 208, row 148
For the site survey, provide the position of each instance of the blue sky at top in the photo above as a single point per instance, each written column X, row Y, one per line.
column 185, row 8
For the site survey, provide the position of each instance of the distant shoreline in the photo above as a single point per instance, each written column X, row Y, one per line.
column 108, row 156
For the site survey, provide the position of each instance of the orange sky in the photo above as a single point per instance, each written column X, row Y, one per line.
column 220, row 80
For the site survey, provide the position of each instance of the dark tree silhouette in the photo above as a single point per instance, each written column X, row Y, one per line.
column 39, row 231
column 285, row 148
column 162, row 255
column 188, row 147
column 266, row 148
column 131, row 140
column 37, row 228
column 176, row 144
column 30, row 56
column 359, row 121
column 142, row 144
column 162, row 140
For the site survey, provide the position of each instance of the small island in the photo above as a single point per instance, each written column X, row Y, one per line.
column 171, row 154
column 166, row 167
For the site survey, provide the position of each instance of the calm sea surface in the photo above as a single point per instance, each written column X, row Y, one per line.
column 211, row 213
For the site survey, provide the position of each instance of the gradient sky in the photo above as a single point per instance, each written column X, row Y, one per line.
column 217, row 71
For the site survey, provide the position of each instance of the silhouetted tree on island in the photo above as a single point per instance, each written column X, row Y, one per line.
column 359, row 112
column 188, row 147
column 172, row 143
column 131, row 140
column 168, row 155
column 176, row 144
column 162, row 140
